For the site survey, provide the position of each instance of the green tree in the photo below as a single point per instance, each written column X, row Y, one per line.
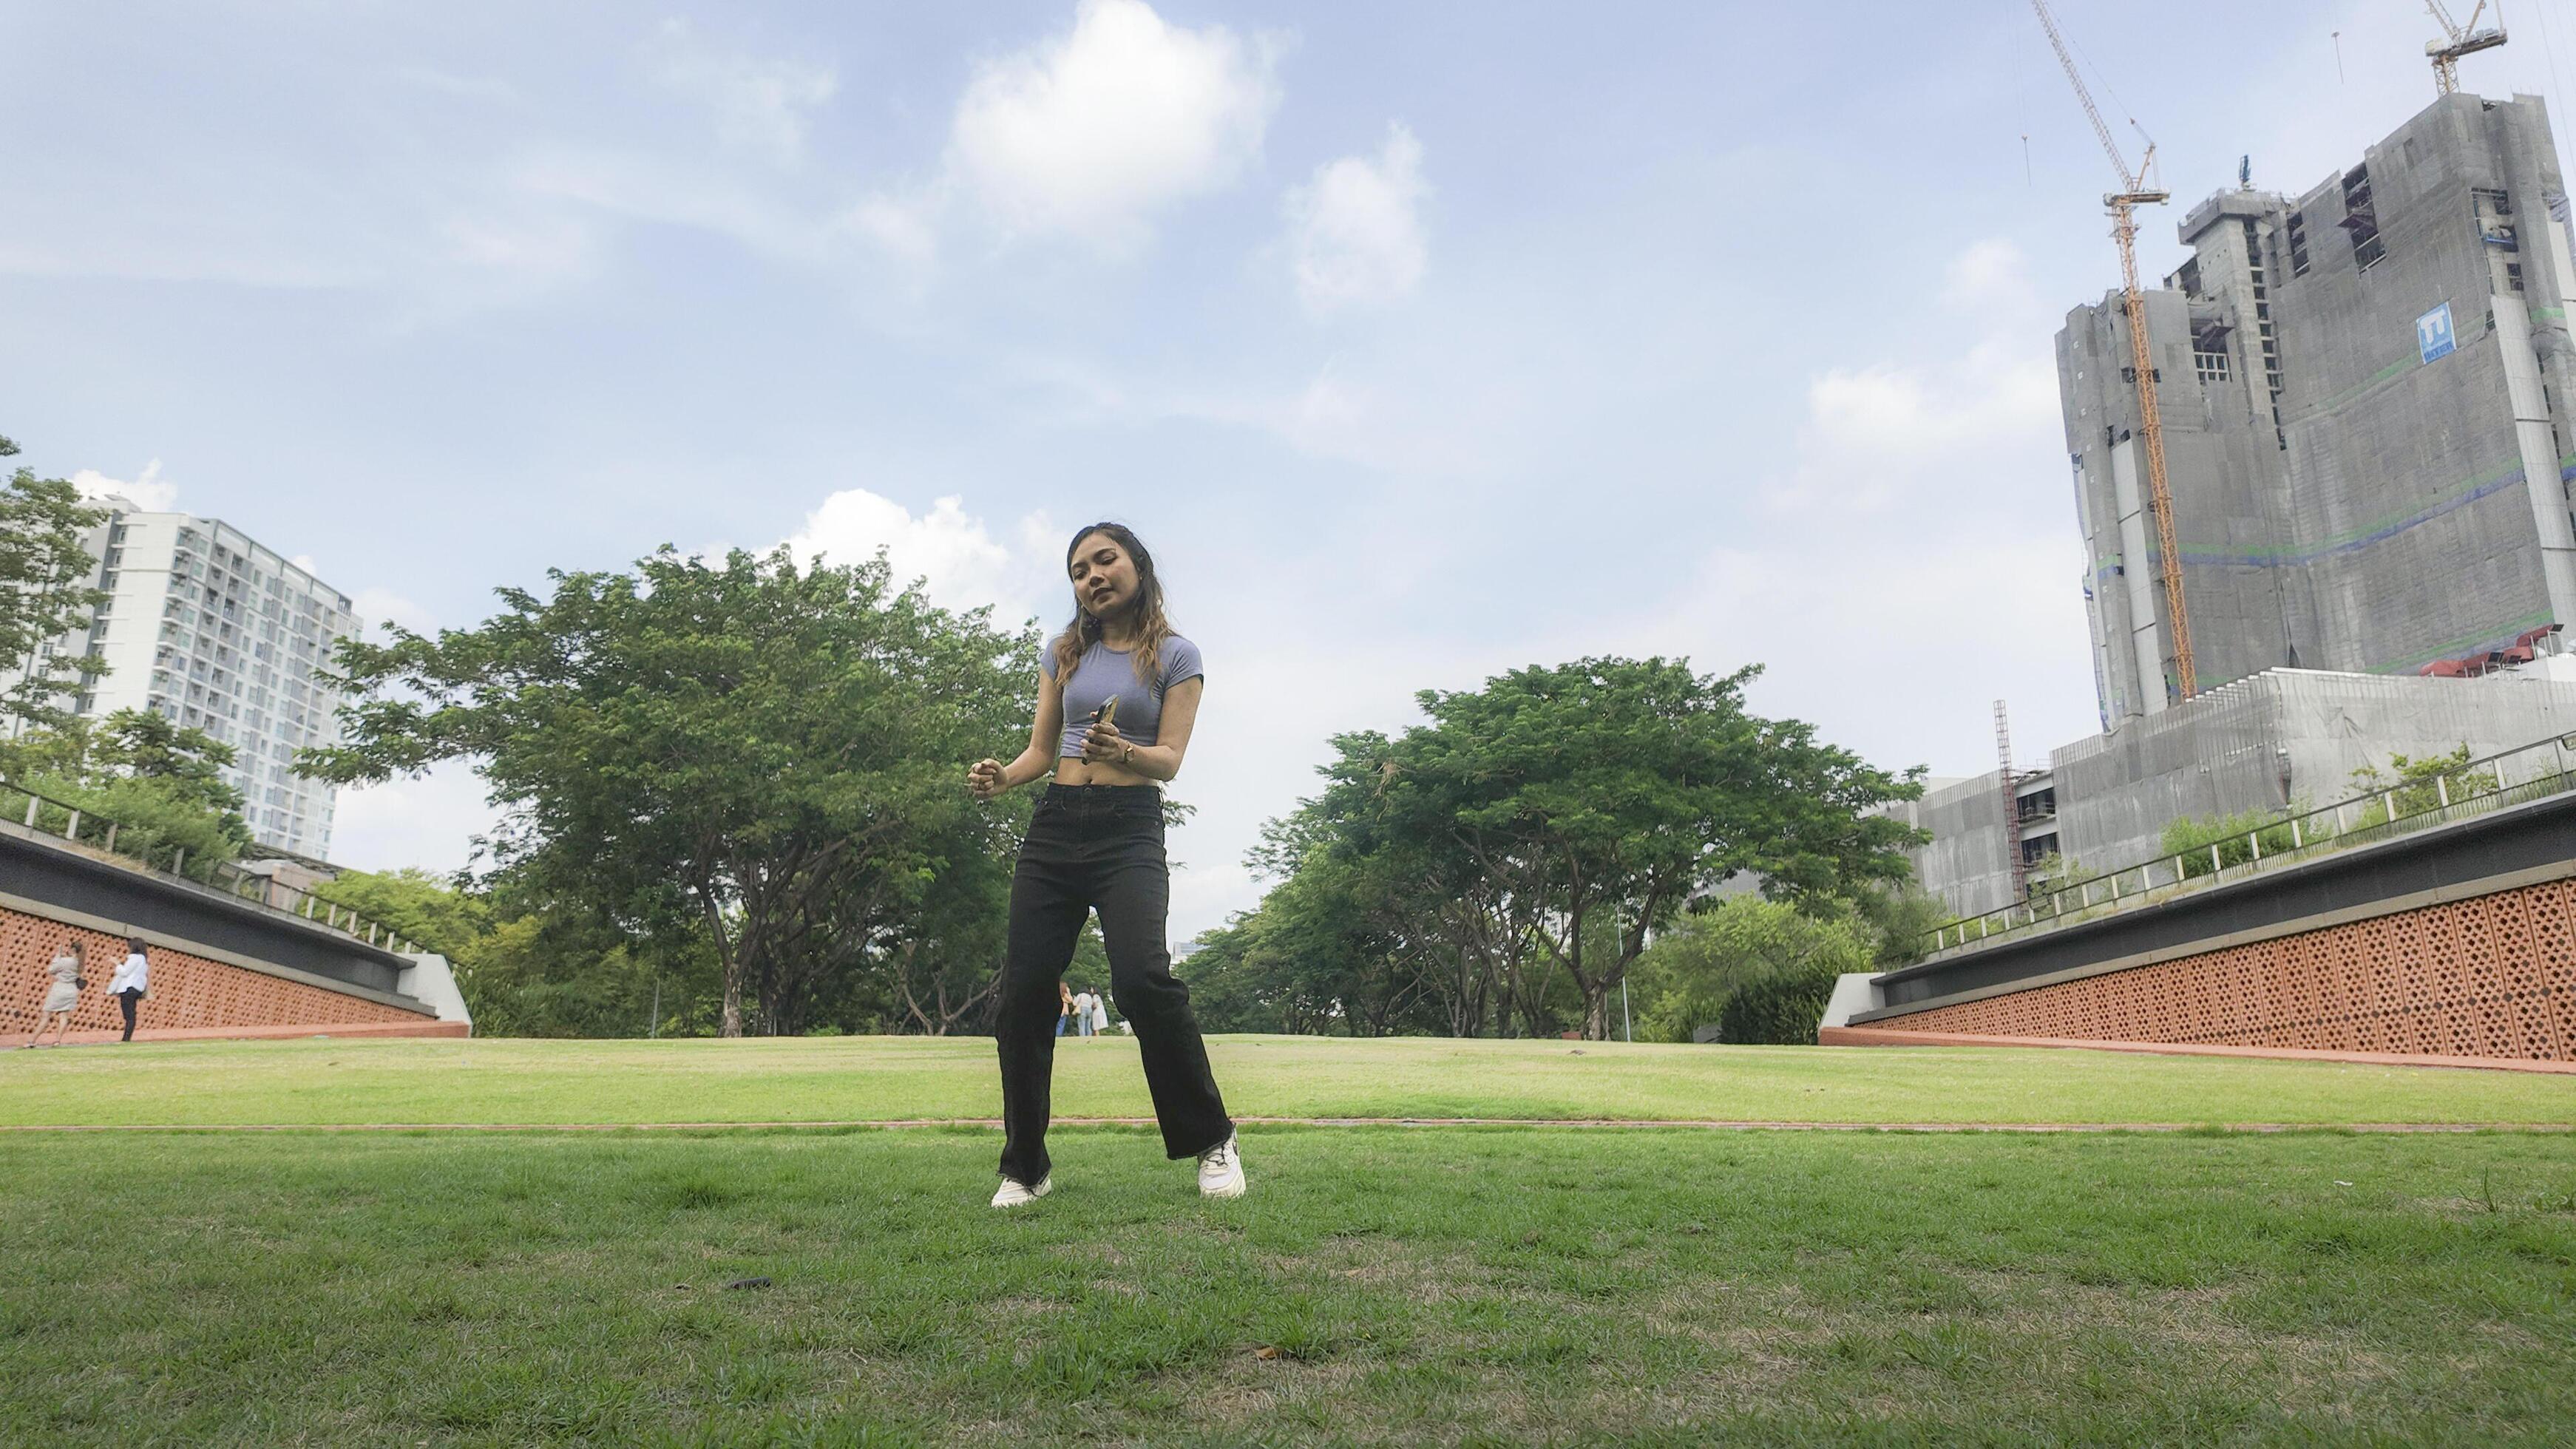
column 44, row 592
column 1514, row 854
column 2421, row 783
column 427, row 910
column 1240, row 981
column 1899, row 916
column 1446, row 946
column 741, row 753
column 160, row 782
column 1686, row 979
column 1614, row 790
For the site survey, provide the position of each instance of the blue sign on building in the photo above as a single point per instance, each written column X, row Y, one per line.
column 2433, row 333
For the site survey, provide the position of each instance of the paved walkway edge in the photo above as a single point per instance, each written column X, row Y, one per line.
column 1888, row 1036
column 1583, row 1123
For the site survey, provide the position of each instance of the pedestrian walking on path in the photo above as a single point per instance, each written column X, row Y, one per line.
column 131, row 983
column 1118, row 694
column 62, row 993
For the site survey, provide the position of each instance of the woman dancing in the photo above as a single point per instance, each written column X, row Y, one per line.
column 1117, row 694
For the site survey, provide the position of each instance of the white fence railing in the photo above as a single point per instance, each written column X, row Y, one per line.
column 46, row 815
column 2511, row 777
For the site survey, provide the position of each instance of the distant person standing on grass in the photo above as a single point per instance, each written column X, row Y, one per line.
column 1083, row 1002
column 1099, row 1013
column 62, row 997
column 1118, row 693
column 1063, row 1007
column 131, row 983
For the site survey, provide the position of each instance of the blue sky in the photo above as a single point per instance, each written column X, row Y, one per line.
column 1419, row 341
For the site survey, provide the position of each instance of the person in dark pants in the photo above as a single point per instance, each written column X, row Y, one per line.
column 1118, row 692
column 131, row 983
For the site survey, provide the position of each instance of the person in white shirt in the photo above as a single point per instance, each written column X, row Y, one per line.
column 1085, row 1006
column 1100, row 1014
column 131, row 983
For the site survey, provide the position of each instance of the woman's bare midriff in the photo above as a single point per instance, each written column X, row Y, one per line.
column 1074, row 770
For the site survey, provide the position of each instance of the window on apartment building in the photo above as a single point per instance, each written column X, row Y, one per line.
column 2209, row 366
column 2298, row 244
column 2361, row 219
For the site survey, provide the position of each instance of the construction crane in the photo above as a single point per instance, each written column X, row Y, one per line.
column 2134, row 192
column 2464, row 40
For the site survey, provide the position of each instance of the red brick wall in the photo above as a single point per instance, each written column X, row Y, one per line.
column 186, row 990
column 2493, row 976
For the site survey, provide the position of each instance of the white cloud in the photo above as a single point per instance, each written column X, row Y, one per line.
column 758, row 104
column 1091, row 132
column 1991, row 273
column 540, row 245
column 1355, row 230
column 1879, row 432
column 430, row 822
column 648, row 187
column 904, row 227
column 146, row 490
column 962, row 565
column 377, row 606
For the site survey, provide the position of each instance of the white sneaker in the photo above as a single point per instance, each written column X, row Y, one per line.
column 1221, row 1170
column 1019, row 1194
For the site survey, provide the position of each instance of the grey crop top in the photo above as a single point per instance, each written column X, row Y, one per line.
column 1102, row 672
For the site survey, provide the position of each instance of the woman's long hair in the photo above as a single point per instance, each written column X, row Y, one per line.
column 72, row 948
column 1152, row 628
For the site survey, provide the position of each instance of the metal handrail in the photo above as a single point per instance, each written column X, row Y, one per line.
column 303, row 906
column 2529, row 772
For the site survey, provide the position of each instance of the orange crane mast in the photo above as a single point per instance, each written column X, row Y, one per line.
column 2134, row 192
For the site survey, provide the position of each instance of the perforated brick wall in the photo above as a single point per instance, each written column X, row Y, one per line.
column 186, row 990
column 2493, row 976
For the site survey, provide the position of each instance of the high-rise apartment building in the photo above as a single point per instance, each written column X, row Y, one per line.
column 2368, row 395
column 209, row 629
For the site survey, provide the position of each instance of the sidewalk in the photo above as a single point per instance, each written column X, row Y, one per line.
column 15, row 1040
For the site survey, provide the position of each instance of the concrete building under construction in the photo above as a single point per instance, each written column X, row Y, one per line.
column 2366, row 393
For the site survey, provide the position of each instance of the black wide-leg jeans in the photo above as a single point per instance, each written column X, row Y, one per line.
column 1098, row 847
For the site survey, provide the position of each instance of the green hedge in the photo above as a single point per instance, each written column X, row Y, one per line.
column 1780, row 1009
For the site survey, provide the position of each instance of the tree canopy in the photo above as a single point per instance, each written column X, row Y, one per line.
column 1527, row 841
column 162, row 783
column 761, row 758
column 44, row 591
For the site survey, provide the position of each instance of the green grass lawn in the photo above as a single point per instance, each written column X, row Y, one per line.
column 1456, row 1285
column 1466, row 1285
column 875, row 1078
